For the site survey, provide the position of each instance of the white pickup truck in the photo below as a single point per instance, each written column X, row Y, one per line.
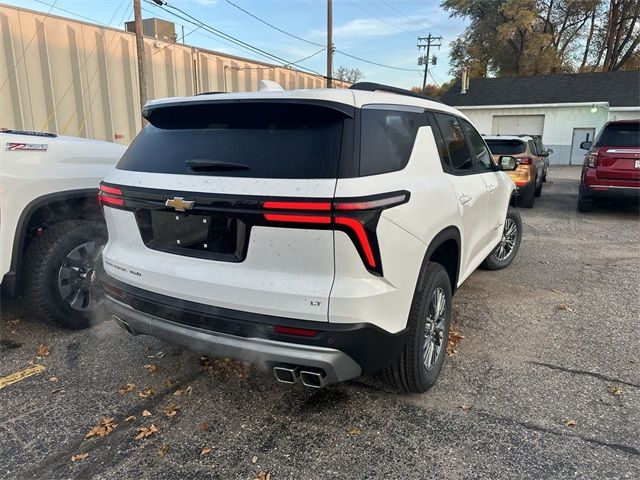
column 51, row 227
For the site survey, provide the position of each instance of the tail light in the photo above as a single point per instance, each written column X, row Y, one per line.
column 525, row 161
column 357, row 217
column 112, row 196
column 592, row 158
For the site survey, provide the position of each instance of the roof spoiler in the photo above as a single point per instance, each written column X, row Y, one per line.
column 377, row 87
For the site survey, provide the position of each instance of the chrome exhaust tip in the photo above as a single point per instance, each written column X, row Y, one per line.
column 313, row 378
column 286, row 373
column 123, row 325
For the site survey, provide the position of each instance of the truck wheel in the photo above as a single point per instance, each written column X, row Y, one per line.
column 585, row 204
column 62, row 273
column 509, row 244
column 527, row 197
column 420, row 362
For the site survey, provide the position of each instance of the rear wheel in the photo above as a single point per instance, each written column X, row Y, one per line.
column 420, row 362
column 62, row 273
column 509, row 244
column 585, row 203
column 527, row 197
column 538, row 191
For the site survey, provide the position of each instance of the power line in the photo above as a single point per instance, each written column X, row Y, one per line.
column 218, row 33
column 24, row 50
column 273, row 26
column 416, row 23
column 380, row 18
column 317, row 44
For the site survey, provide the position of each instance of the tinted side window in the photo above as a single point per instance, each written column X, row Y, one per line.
column 442, row 149
column 455, row 142
column 387, row 138
column 480, row 152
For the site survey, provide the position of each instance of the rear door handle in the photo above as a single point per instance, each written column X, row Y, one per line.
column 465, row 199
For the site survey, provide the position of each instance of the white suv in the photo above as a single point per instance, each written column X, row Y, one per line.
column 321, row 232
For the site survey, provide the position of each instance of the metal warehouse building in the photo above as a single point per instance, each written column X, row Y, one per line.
column 564, row 109
column 76, row 78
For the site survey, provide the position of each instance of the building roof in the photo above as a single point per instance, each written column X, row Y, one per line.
column 619, row 89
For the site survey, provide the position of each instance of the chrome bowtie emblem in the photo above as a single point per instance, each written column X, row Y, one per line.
column 179, row 203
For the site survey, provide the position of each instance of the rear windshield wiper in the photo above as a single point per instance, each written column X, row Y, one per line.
column 198, row 164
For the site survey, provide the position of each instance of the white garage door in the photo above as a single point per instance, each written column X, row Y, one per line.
column 518, row 124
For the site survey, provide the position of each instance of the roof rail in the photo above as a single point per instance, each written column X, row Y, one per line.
column 377, row 87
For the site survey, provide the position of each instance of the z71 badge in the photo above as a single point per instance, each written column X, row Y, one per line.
column 39, row 147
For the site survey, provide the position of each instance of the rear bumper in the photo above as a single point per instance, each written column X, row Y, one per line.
column 343, row 351
column 610, row 191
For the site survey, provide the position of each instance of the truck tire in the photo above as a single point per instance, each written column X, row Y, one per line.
column 62, row 270
column 507, row 249
column 527, row 197
column 420, row 362
column 585, row 203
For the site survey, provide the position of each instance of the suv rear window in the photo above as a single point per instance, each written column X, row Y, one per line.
column 620, row 135
column 506, row 147
column 240, row 139
column 386, row 139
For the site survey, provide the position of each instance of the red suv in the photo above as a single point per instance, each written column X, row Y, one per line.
column 612, row 167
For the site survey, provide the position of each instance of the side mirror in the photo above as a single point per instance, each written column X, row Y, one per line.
column 585, row 145
column 507, row 163
column 550, row 151
column 545, row 154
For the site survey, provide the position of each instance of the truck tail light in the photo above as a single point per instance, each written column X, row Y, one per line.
column 108, row 195
column 357, row 217
column 592, row 158
column 526, row 161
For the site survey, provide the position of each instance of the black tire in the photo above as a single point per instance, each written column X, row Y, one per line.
column 544, row 176
column 495, row 260
column 44, row 262
column 526, row 197
column 585, row 203
column 538, row 190
column 409, row 372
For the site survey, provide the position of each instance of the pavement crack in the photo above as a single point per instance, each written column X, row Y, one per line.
column 585, row 372
column 536, row 428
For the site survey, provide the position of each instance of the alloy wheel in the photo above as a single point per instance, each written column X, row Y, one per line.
column 508, row 241
column 433, row 342
column 79, row 277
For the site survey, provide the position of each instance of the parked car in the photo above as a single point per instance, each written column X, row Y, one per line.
column 611, row 169
column 528, row 176
column 541, row 151
column 322, row 232
column 51, row 227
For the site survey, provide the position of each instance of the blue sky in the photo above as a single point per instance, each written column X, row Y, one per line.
column 383, row 31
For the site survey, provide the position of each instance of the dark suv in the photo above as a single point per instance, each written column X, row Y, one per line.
column 612, row 167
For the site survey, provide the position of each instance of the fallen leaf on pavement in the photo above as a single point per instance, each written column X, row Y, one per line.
column 616, row 390
column 144, row 432
column 555, row 290
column 147, row 392
column 124, row 389
column 105, row 427
column 42, row 350
column 146, row 413
column 151, row 368
column 569, row 422
column 171, row 410
column 78, row 457
column 263, row 475
column 545, row 262
column 130, row 419
column 226, row 367
column 205, row 451
column 188, row 390
column 465, row 407
column 168, row 383
column 204, row 426
column 354, row 431
column 57, row 390
column 254, row 459
column 564, row 306
column 455, row 336
column 162, row 451
column 178, row 392
column 53, row 379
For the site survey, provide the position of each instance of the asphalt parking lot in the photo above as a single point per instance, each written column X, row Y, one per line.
column 544, row 384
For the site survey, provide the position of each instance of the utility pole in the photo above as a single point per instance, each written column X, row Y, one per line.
column 431, row 41
column 142, row 68
column 329, row 43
